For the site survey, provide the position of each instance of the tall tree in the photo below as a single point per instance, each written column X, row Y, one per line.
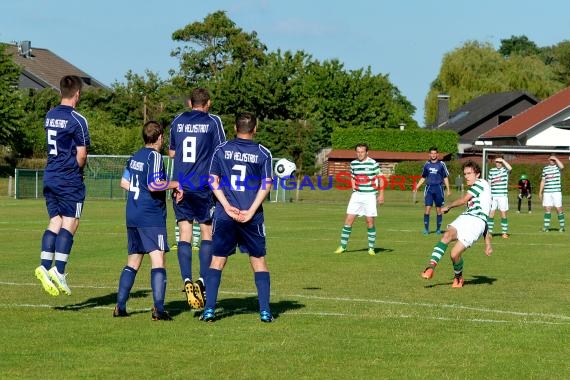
column 476, row 69
column 215, row 43
column 518, row 45
column 10, row 103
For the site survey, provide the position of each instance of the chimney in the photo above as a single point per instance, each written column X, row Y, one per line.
column 442, row 110
column 25, row 49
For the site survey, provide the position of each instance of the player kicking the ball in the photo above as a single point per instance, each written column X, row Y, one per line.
column 468, row 227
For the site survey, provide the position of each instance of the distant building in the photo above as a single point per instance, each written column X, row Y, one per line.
column 43, row 69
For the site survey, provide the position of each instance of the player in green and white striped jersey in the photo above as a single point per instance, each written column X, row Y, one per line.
column 551, row 192
column 367, row 190
column 499, row 179
column 468, row 227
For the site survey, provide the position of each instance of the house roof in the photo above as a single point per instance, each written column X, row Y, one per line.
column 533, row 116
column 380, row 155
column 44, row 68
column 482, row 108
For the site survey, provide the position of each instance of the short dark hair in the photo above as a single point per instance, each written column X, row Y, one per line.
column 433, row 148
column 245, row 122
column 151, row 131
column 363, row 145
column 199, row 97
column 473, row 165
column 69, row 85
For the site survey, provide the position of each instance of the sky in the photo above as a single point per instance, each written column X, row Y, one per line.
column 403, row 39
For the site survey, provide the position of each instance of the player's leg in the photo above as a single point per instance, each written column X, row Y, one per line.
column 491, row 217
column 529, row 197
column 47, row 254
column 547, row 203
column 252, row 238
column 439, row 199
column 129, row 272
column 428, row 202
column 439, row 249
column 519, row 203
column 560, row 211
column 353, row 208
column 503, row 209
column 223, row 246
column 457, row 261
column 70, row 214
column 158, row 280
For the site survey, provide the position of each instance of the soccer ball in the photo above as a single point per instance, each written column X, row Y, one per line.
column 284, row 168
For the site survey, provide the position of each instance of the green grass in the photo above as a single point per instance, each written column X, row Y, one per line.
column 338, row 316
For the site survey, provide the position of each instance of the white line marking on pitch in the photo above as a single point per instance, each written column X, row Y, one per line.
column 343, row 299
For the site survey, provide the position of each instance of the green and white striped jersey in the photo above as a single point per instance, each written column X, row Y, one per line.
column 480, row 204
column 366, row 174
column 552, row 179
column 499, row 180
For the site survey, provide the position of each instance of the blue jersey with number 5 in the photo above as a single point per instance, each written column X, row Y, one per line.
column 66, row 129
column 194, row 135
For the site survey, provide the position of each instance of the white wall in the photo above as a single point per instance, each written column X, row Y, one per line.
column 551, row 137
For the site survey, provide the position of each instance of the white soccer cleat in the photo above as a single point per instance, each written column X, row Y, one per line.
column 59, row 280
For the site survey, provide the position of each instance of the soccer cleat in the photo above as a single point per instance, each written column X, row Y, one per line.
column 200, row 291
column 208, row 315
column 562, row 229
column 438, row 232
column 59, row 280
column 193, row 301
column 457, row 282
column 266, row 316
column 545, row 230
column 340, row 250
column 427, row 273
column 426, row 232
column 160, row 315
column 371, row 251
column 119, row 312
column 42, row 275
column 505, row 236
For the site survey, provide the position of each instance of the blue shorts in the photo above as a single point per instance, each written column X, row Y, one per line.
column 58, row 204
column 229, row 234
column 147, row 239
column 434, row 194
column 195, row 205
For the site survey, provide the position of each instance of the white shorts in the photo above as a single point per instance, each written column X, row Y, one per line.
column 501, row 203
column 552, row 199
column 362, row 204
column 469, row 229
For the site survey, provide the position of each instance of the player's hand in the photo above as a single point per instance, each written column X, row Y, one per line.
column 445, row 209
column 177, row 195
column 488, row 250
column 380, row 200
column 245, row 216
column 233, row 212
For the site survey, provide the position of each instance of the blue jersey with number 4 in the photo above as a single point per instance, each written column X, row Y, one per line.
column 193, row 136
column 244, row 167
column 145, row 208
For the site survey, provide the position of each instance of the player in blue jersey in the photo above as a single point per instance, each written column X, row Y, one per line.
column 435, row 175
column 194, row 135
column 241, row 174
column 145, row 180
column 67, row 135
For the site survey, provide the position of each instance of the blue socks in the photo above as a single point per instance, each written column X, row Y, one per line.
column 205, row 255
column 158, row 285
column 63, row 244
column 126, row 282
column 185, row 259
column 48, row 248
column 262, row 283
column 213, row 279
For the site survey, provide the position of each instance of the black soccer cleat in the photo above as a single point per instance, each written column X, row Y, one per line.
column 160, row 315
column 120, row 312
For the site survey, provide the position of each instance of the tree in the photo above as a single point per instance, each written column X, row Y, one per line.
column 220, row 44
column 476, row 69
column 10, row 103
column 558, row 57
column 518, row 45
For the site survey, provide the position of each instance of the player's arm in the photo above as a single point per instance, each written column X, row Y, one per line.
column 81, row 156
column 232, row 211
column 419, row 184
column 458, row 202
column 506, row 164
column 488, row 246
column 541, row 188
column 262, row 193
column 446, row 182
column 558, row 162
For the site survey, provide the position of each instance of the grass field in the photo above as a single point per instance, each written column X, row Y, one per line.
column 337, row 316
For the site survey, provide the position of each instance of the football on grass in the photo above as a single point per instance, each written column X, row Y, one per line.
column 284, row 168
